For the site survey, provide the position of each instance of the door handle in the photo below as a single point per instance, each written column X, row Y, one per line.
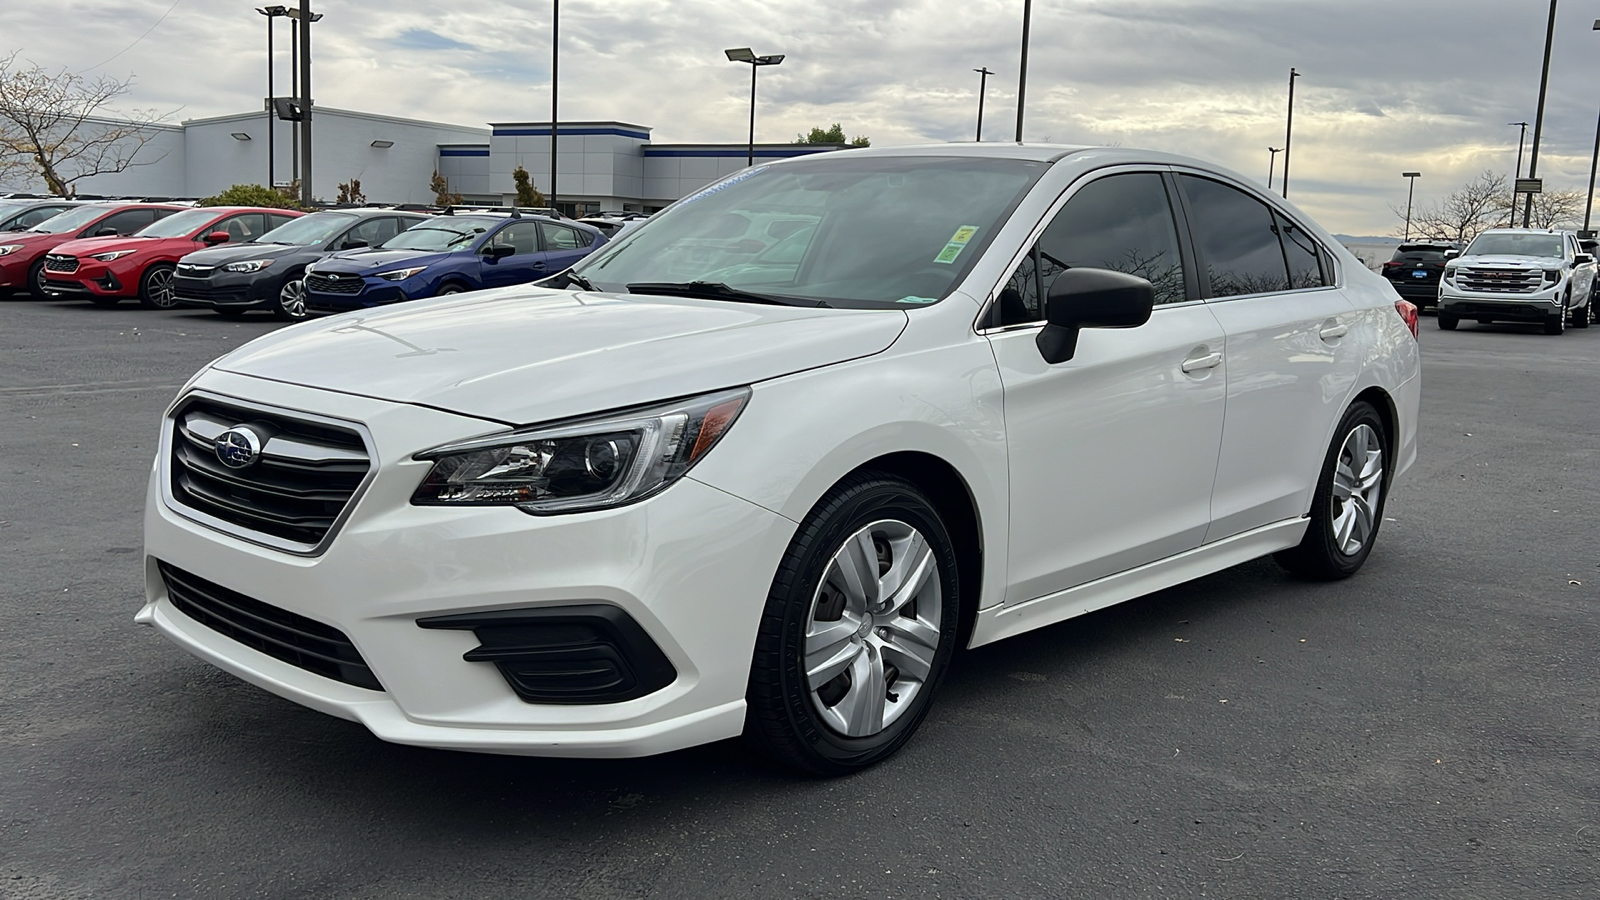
column 1196, row 363
column 1332, row 330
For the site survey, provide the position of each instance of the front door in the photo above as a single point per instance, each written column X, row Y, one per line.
column 524, row 264
column 1112, row 453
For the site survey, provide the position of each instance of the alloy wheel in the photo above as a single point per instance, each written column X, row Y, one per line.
column 1357, row 488
column 873, row 629
column 159, row 287
column 292, row 299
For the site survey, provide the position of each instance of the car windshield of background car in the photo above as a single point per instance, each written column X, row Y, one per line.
column 7, row 210
column 177, row 224
column 1516, row 245
column 71, row 220
column 437, row 235
column 868, row 232
column 1418, row 255
column 312, row 229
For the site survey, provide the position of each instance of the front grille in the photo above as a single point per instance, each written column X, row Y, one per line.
column 281, row 634
column 306, row 473
column 190, row 270
column 206, row 292
column 55, row 263
column 1499, row 281
column 334, row 284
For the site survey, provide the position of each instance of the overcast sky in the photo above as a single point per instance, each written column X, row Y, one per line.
column 1389, row 85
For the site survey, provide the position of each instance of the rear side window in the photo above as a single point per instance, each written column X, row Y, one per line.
column 274, row 220
column 1236, row 238
column 560, row 237
column 374, row 231
column 1300, row 251
column 241, row 228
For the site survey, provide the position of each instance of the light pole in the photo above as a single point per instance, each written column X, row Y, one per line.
column 555, row 83
column 1593, row 165
column 271, row 12
column 1272, row 161
column 1022, row 71
column 983, row 82
column 302, row 134
column 1538, row 119
column 743, row 54
column 1288, row 134
column 1410, row 193
column 1521, row 139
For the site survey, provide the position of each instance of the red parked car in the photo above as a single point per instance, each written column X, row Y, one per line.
column 109, row 270
column 22, row 252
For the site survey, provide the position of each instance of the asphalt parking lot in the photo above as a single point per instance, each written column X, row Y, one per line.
column 1430, row 728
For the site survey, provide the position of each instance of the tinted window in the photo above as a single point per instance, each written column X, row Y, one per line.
column 560, row 237
column 1305, row 265
column 1419, row 256
column 1236, row 239
column 373, row 231
column 126, row 222
column 247, row 227
column 521, row 237
column 275, row 220
column 34, row 216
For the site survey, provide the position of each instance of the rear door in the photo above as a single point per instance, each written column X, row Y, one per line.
column 563, row 246
column 1111, row 453
column 1290, row 364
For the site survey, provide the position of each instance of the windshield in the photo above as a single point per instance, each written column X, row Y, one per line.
column 864, row 232
column 1512, row 243
column 71, row 220
column 438, row 234
column 312, row 229
column 177, row 224
column 7, row 210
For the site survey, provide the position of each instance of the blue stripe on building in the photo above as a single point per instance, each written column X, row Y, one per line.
column 449, row 151
column 545, row 132
column 738, row 152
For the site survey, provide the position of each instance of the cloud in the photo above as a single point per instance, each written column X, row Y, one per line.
column 1379, row 95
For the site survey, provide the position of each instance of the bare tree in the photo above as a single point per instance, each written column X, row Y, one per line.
column 58, row 126
column 1551, row 209
column 1477, row 205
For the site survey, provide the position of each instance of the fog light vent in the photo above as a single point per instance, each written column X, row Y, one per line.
column 592, row 653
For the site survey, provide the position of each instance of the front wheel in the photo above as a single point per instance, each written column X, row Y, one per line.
column 156, row 288
column 36, row 285
column 1448, row 322
column 291, row 303
column 858, row 630
column 1348, row 505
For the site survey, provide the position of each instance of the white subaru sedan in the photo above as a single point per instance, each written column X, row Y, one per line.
column 762, row 466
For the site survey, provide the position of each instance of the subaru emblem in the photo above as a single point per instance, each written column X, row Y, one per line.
column 238, row 447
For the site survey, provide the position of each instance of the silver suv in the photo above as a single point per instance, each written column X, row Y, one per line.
column 1520, row 275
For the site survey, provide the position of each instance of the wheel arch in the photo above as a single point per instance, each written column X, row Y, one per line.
column 1380, row 400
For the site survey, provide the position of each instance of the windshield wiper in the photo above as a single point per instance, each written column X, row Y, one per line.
column 705, row 290
column 568, row 279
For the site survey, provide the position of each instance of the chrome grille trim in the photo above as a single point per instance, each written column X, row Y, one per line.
column 194, row 271
column 287, row 499
column 1499, row 281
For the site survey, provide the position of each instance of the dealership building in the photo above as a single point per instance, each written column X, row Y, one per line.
column 599, row 165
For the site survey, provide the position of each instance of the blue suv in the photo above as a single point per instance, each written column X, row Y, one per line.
column 447, row 255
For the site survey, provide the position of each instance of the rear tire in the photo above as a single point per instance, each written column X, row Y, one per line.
column 1448, row 322
column 155, row 287
column 858, row 630
column 1581, row 317
column 1347, row 509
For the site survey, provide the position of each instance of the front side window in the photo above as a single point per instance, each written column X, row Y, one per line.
column 180, row 224
column 373, row 231
column 521, row 237
column 129, row 221
column 881, row 231
column 71, row 220
column 1120, row 222
column 1236, row 237
column 308, row 230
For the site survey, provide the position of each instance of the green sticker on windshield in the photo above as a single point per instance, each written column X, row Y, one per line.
column 958, row 243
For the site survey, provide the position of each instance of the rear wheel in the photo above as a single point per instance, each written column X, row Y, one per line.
column 1348, row 505
column 156, row 288
column 858, row 630
column 1448, row 322
column 1581, row 317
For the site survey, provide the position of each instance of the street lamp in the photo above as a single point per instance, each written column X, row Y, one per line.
column 983, row 82
column 1022, row 70
column 1288, row 134
column 1521, row 139
column 1538, row 119
column 743, row 55
column 1410, row 193
column 271, row 12
column 555, row 86
column 1593, row 164
column 300, row 65
column 1272, row 160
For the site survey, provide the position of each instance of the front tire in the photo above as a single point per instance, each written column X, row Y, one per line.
column 858, row 630
column 156, row 288
column 36, row 280
column 1448, row 322
column 1347, row 508
column 291, row 305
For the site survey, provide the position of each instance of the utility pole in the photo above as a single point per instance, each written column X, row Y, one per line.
column 555, row 82
column 1022, row 76
column 294, row 87
column 983, row 82
column 1272, row 160
column 1288, row 134
column 1521, row 139
column 305, row 101
column 1410, row 193
column 1538, row 119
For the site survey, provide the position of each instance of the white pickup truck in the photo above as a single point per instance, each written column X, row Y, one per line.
column 1520, row 275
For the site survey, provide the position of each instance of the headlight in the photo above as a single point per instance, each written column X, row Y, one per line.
column 1450, row 274
column 1551, row 276
column 110, row 255
column 252, row 265
column 8, row 249
column 588, row 464
column 400, row 274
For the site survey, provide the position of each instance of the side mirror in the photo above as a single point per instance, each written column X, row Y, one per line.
column 1584, row 259
column 499, row 252
column 1452, row 253
column 216, row 237
column 107, row 231
column 1091, row 298
column 353, row 244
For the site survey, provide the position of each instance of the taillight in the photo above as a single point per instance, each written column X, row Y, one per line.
column 1408, row 314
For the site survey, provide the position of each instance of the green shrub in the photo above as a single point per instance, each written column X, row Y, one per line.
column 253, row 195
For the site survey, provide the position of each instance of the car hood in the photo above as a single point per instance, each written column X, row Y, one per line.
column 227, row 253
column 86, row 246
column 1506, row 259
column 524, row 355
column 369, row 261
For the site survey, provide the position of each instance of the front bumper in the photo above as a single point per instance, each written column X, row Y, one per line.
column 227, row 290
column 1523, row 307
column 691, row 566
column 374, row 292
column 93, row 278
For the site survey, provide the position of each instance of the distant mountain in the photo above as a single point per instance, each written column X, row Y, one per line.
column 1367, row 239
